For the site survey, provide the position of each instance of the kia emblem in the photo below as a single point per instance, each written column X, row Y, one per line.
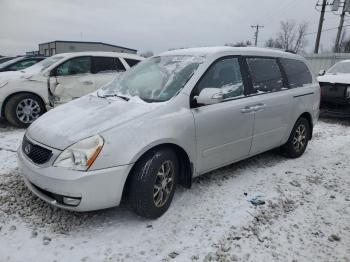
column 27, row 149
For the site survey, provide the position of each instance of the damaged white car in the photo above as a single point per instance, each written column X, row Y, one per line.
column 168, row 119
column 26, row 95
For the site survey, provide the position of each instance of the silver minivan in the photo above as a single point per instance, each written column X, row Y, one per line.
column 165, row 121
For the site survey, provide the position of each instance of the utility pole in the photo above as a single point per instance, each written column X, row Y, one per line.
column 341, row 23
column 320, row 25
column 256, row 34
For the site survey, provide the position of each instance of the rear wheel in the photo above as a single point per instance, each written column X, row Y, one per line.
column 152, row 183
column 22, row 109
column 298, row 139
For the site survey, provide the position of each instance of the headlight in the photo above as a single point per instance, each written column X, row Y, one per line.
column 348, row 92
column 81, row 155
column 3, row 84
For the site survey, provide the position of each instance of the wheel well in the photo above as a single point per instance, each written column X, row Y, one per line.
column 308, row 117
column 10, row 96
column 186, row 167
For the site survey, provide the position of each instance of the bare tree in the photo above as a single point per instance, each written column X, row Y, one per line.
column 146, row 54
column 287, row 34
column 290, row 37
column 344, row 46
column 240, row 44
column 273, row 43
column 300, row 42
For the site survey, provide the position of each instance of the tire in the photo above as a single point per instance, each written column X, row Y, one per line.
column 22, row 109
column 298, row 139
column 145, row 182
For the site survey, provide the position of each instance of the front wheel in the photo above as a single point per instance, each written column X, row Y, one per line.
column 22, row 109
column 152, row 183
column 298, row 139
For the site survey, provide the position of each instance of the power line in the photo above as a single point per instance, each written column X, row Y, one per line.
column 325, row 30
column 312, row 33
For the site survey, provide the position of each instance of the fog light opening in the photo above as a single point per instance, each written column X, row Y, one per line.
column 71, row 201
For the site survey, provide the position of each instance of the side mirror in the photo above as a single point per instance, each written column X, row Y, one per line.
column 53, row 72
column 209, row 96
column 321, row 72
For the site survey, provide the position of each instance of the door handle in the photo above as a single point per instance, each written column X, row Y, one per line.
column 259, row 107
column 87, row 82
column 247, row 109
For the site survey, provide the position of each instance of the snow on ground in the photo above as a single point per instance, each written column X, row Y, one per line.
column 306, row 215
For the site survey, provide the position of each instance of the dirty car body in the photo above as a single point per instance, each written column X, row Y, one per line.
column 95, row 144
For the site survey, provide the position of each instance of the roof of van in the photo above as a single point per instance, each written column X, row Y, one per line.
column 101, row 53
column 206, row 51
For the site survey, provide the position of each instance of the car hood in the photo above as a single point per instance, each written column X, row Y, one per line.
column 85, row 117
column 10, row 75
column 338, row 78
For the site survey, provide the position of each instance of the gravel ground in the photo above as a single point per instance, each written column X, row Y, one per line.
column 304, row 213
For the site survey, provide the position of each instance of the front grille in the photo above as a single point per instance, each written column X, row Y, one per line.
column 38, row 154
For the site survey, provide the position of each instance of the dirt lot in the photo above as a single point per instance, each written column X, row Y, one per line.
column 305, row 215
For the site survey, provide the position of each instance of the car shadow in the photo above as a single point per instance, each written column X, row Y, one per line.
column 20, row 203
column 6, row 126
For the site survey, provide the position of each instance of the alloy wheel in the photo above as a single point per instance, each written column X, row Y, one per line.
column 299, row 139
column 164, row 183
column 28, row 110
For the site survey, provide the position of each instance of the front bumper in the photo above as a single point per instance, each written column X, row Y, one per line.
column 97, row 189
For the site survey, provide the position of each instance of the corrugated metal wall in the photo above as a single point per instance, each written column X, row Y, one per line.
column 325, row 61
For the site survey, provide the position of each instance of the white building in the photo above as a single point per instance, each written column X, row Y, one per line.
column 56, row 47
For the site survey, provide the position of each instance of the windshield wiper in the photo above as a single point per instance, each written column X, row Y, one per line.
column 150, row 100
column 115, row 95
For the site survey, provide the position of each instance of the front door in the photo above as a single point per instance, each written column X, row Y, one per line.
column 72, row 79
column 223, row 130
column 106, row 69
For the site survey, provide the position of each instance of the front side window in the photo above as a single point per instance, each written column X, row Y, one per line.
column 74, row 66
column 297, row 72
column 225, row 75
column 265, row 75
column 156, row 79
column 22, row 64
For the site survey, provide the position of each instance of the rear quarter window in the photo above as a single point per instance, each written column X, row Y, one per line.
column 131, row 62
column 103, row 64
column 297, row 72
column 265, row 73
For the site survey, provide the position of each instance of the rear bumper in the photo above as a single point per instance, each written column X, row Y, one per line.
column 338, row 112
column 97, row 189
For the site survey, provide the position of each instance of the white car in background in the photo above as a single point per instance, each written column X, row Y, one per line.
column 26, row 95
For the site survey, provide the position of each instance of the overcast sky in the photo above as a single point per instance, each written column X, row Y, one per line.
column 155, row 25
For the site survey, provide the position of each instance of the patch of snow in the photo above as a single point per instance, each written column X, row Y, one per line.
column 212, row 221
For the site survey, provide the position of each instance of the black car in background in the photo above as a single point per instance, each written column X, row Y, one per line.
column 20, row 63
